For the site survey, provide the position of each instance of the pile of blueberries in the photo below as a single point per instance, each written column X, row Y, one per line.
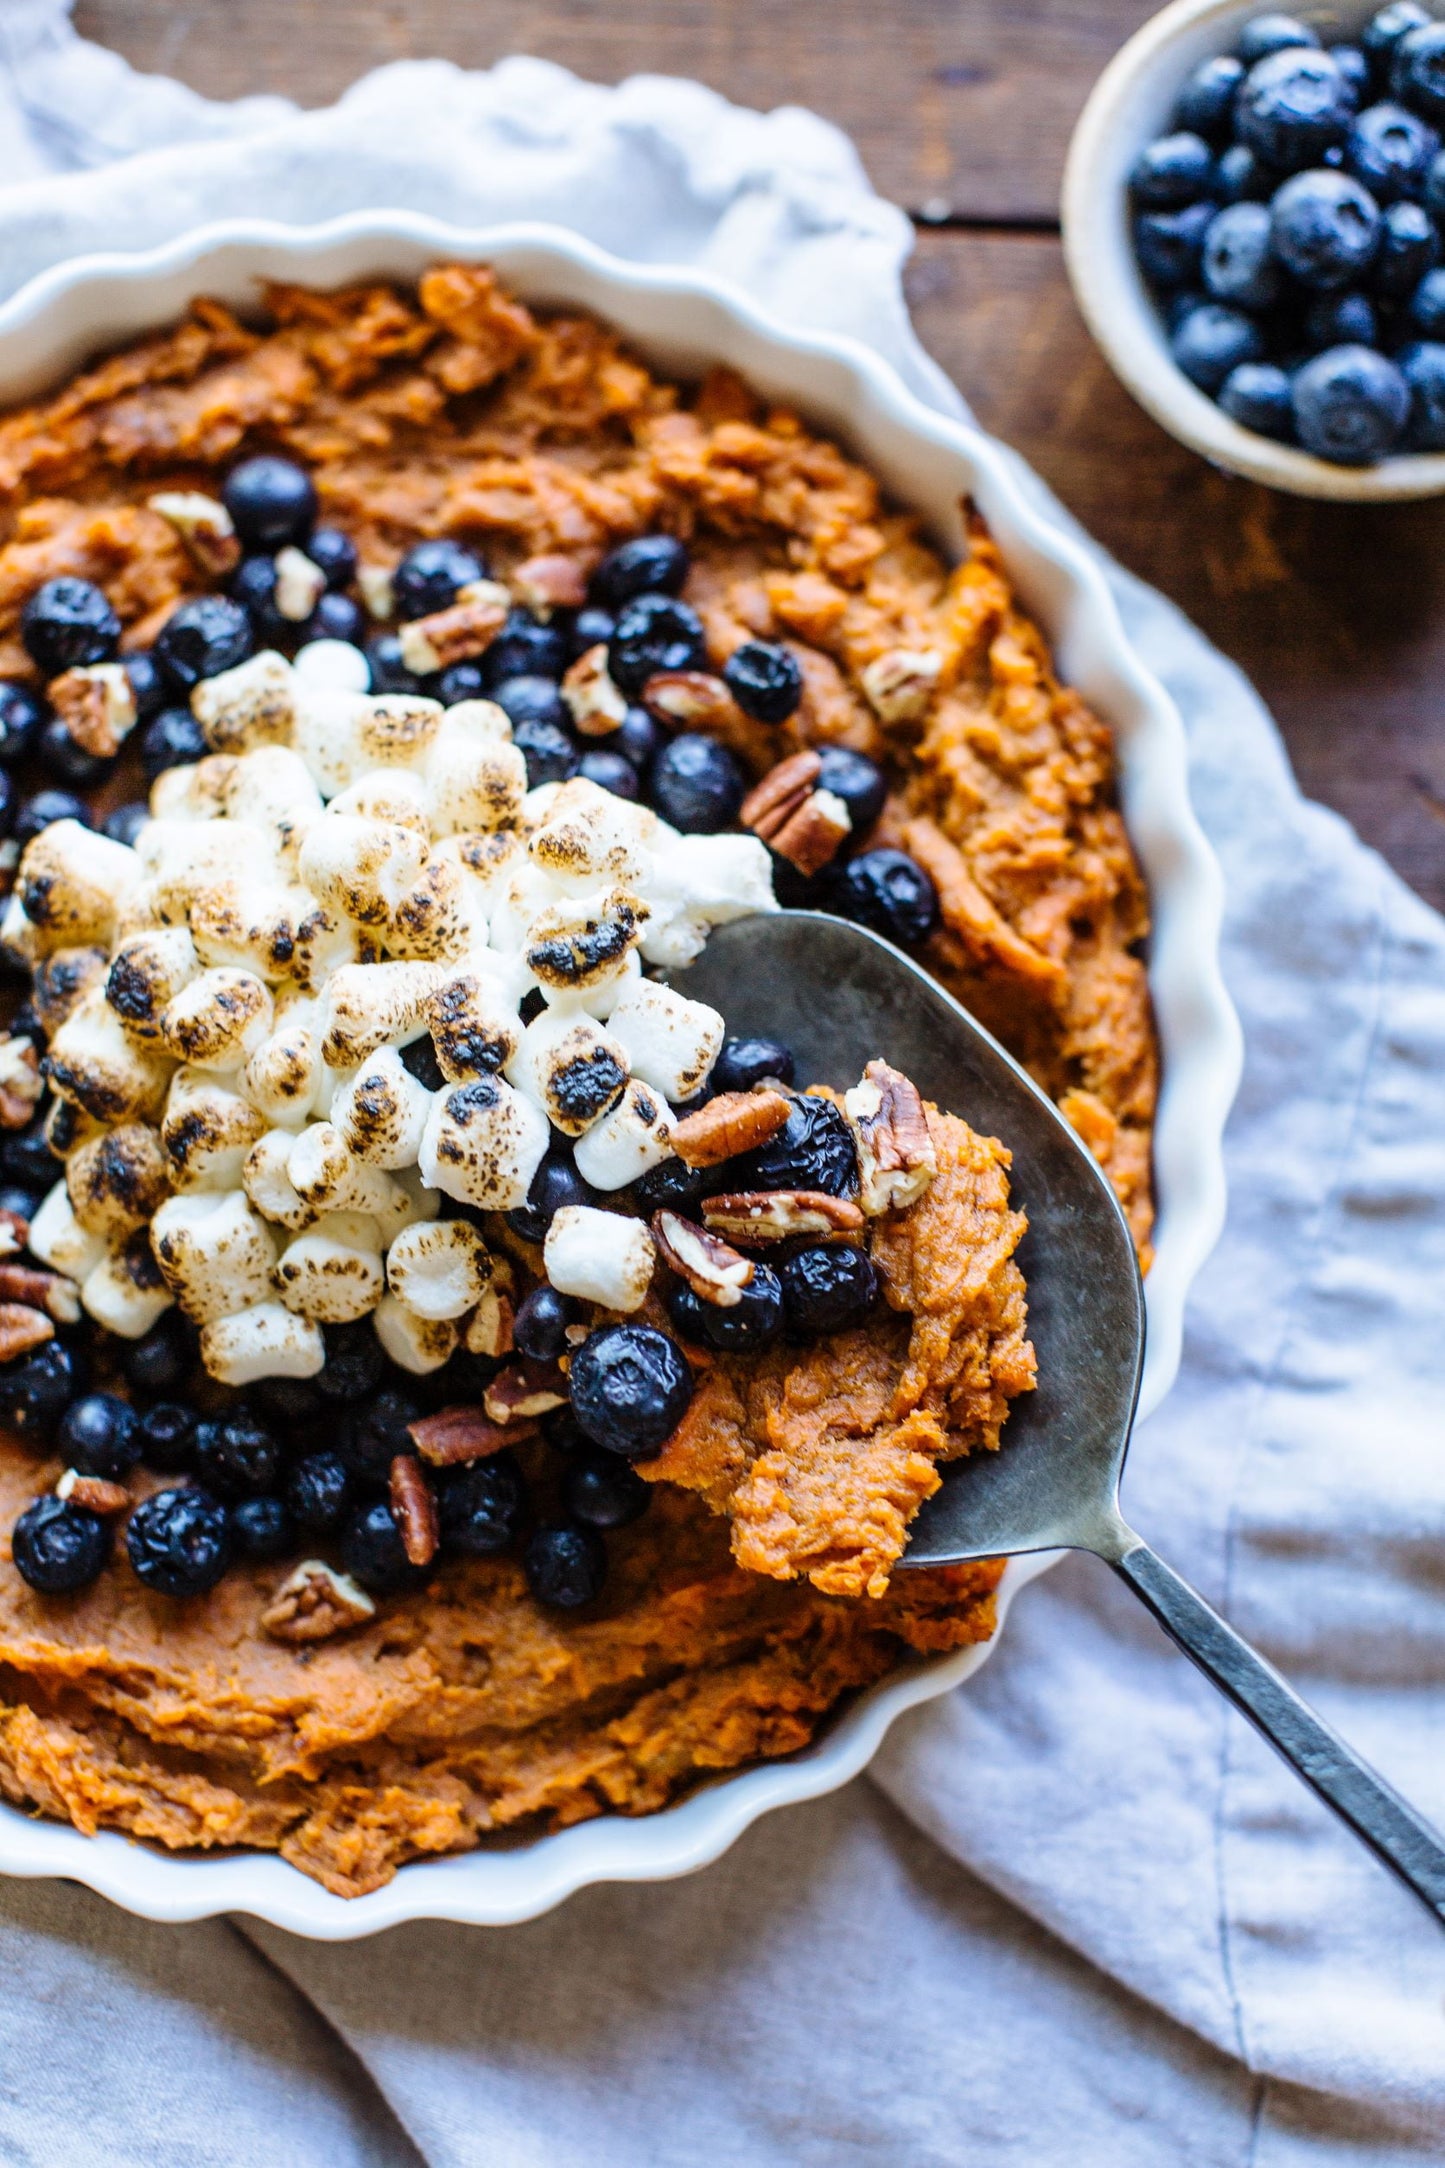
column 1292, row 224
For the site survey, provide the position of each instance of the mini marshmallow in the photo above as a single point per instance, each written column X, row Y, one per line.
column 333, row 1272
column 439, row 1269
column 417, row 1344
column 701, row 882
column 117, row 1180
column 331, row 1178
column 300, row 584
column 476, row 778
column 218, row 1020
column 71, row 882
column 193, row 792
column 381, row 1113
column 483, row 1143
column 326, row 735
column 367, row 1005
column 570, row 1068
column 180, row 858
column 473, row 1028
column 598, row 1256
column 395, row 730
column 125, row 1292
column 146, row 973
column 266, row 1179
column 334, row 663
column 326, row 942
column 587, row 837
column 395, row 795
column 670, row 1041
column 66, row 1127
column 206, row 1131
column 272, row 788
column 439, row 917
column 248, row 928
column 283, row 1076
column 361, row 868
column 583, row 942
column 411, row 1203
column 93, row 1064
column 252, row 704
column 57, row 1238
column 215, row 1253
column 62, row 982
column 601, row 1000
column 487, row 860
column 266, row 1341
column 631, row 1137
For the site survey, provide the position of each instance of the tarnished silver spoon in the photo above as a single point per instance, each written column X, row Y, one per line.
column 841, row 997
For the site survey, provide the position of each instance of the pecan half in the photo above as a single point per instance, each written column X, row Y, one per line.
column 596, row 705
column 900, row 684
column 773, row 1215
column 489, row 1328
column 97, row 706
column 48, row 1291
column 733, row 1122
column 456, row 634
column 550, row 583
column 20, row 1081
column 314, row 1602
column 460, row 1434
column 21, row 1329
column 524, row 1391
column 414, row 1508
column 793, row 817
column 694, row 698
column 712, row 1268
column 896, row 1156
column 92, row 1492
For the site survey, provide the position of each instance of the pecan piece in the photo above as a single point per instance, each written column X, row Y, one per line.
column 456, row 634
column 204, row 525
column 896, row 1156
column 48, row 1291
column 773, row 1215
column 733, row 1122
column 20, row 1081
column 550, row 582
column 314, row 1602
column 524, row 1391
column 801, row 823
column 489, row 1328
column 21, row 1329
column 461, row 1434
column 597, row 706
column 774, row 801
column 900, row 683
column 693, row 698
column 712, row 1268
column 414, row 1508
column 96, row 703
column 92, row 1492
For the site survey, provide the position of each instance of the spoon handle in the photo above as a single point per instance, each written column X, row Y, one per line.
column 1387, row 1823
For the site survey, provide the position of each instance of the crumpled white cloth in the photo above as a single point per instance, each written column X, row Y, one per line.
column 1079, row 1913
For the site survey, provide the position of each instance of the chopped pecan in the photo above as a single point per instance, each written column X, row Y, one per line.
column 733, row 1122
column 14, row 1233
column 20, row 1081
column 92, row 1492
column 550, row 583
column 773, row 1215
column 489, row 1328
column 694, row 698
column 801, row 823
column 896, row 1156
column 774, row 801
column 712, row 1268
column 97, row 706
column 374, row 582
column 300, row 584
column 204, row 525
column 900, row 684
column 597, row 706
column 524, row 1391
column 456, row 634
column 314, row 1602
column 459, row 1434
column 48, row 1291
column 414, row 1509
column 21, row 1329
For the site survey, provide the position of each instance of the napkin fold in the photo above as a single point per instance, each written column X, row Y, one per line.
column 1079, row 1911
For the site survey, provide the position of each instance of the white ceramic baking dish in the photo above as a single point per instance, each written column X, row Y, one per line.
column 684, row 320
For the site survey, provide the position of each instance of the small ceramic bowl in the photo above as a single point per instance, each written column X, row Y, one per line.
column 1129, row 106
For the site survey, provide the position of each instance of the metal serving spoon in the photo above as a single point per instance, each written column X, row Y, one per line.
column 840, row 997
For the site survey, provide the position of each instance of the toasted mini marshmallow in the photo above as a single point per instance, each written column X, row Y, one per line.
column 271, row 787
column 71, row 882
column 215, row 1253
column 583, row 942
column 631, row 1137
column 361, row 868
column 487, row 860
column 196, row 791
column 395, row 730
column 146, row 972
column 66, row 1127
column 62, row 982
column 483, row 1143
column 439, row 1268
column 474, row 1029
column 381, row 1112
column 333, row 1272
column 417, row 1344
column 602, row 999
column 440, row 916
column 326, row 734
column 570, row 1067
column 57, row 1238
column 266, row 1179
column 206, row 1131
column 21, row 942
column 283, row 1076
column 93, row 1064
column 476, row 778
column 396, row 795
column 117, row 1180
column 605, row 1257
column 218, row 1020
column 700, row 882
column 588, row 837
column 326, row 942
column 253, row 704
column 180, row 858
column 334, row 663
column 331, row 1178
column 247, row 927
column 368, row 1005
column 126, row 1292
column 267, row 1341
column 670, row 1041
column 300, row 584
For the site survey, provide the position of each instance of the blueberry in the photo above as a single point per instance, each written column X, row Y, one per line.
column 1212, row 340
column 1325, row 229
column 746, row 1062
column 9, row 802
column 354, row 1361
column 827, row 1288
column 26, row 1157
column 318, row 1491
column 203, row 638
column 463, row 681
column 540, row 1326
column 1355, row 69
column 1390, row 152
column 262, row 1529
column 532, row 700
column 609, row 771
column 67, row 623
column 753, row 1322
column 1417, row 71
column 59, row 1548
column 1205, row 106
column 655, row 632
column 814, row 1149
column 1236, row 261
column 23, row 1203
column 482, row 1507
column 1271, row 34
column 637, row 738
column 765, row 680
column 550, row 754
column 1168, row 243
column 525, row 648
column 60, row 756
column 1422, row 364
column 651, row 564
column 669, row 1186
column 857, row 780
column 1340, row 320
column 419, row 1059
column 565, row 1566
column 333, row 553
column 253, row 585
column 125, row 822
column 1292, row 106
column 236, row 1455
column 1258, row 396
column 174, row 740
column 373, row 1553
column 890, row 893
column 161, row 1358
column 179, row 1542
column 604, row 1492
column 389, row 673
column 100, row 1435
column 697, row 784
column 630, row 1387
column 21, row 715
column 1384, row 31
column 1171, row 171
column 429, row 575
column 36, row 1391
column 1409, row 247
column 168, row 1436
column 1242, row 178
column 294, row 1404
column 1351, row 405
column 335, row 617
column 270, row 501
column 1426, row 312
column 379, row 1433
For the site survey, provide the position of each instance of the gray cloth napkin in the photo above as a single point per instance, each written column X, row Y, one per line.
column 1078, row 1912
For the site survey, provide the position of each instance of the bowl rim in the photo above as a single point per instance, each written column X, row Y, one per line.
column 1199, row 1031
column 1128, row 104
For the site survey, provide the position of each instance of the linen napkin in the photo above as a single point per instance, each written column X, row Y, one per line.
column 1078, row 1912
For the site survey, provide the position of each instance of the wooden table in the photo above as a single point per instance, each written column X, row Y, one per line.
column 962, row 111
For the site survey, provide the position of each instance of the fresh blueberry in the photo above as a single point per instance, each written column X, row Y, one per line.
column 540, row 1327
column 1205, row 106
column 551, row 755
column 857, row 780
column 1417, row 71
column 1236, row 260
column 1409, row 247
column 294, row 1404
column 526, row 648
column 202, row 638
column 1384, row 31
column 60, row 756
column 637, row 738
column 67, row 623
column 318, row 1491
column 1422, row 364
column 26, row 1157
column 827, row 1288
column 603, row 1491
column 1168, row 243
column 1267, row 34
column 890, row 893
column 125, row 822
column 1212, row 340
column 1355, row 69
column 354, row 1361
column 565, row 1566
column 1171, row 171
column 161, row 1359
column 389, row 673
column 753, row 1322
column 1435, row 188
column 481, row 1508
column 1389, row 152
column 697, row 784
column 419, row 1059
column 463, row 681
column 21, row 717
column 1292, row 106
column 59, row 1548
column 1350, row 405
column 687, row 1314
column 270, row 501
column 1340, row 320
column 333, row 553
column 236, row 1455
column 630, row 1387
column 336, row 617
column 168, row 1436
column 148, row 686
column 1325, row 229
column 1258, row 396
column 746, row 1062
column 1426, row 312
column 379, row 1433
column 669, row 1186
column 1243, row 178
column 173, row 740
column 373, row 1553
column 253, row 585
column 45, row 806
column 591, row 627
column 179, row 1542
column 609, row 771
column 555, row 1183
column 814, row 1149
column 651, row 564
column 429, row 575
column 532, row 700
column 36, row 1391
column 262, row 1529
column 100, row 1435
column 654, row 632
column 22, row 1203
column 765, row 680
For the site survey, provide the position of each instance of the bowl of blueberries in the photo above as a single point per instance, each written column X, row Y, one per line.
column 1254, row 225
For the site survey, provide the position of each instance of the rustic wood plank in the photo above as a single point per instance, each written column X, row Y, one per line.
column 966, row 109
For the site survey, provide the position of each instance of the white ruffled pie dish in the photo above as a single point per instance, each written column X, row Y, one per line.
column 683, row 321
